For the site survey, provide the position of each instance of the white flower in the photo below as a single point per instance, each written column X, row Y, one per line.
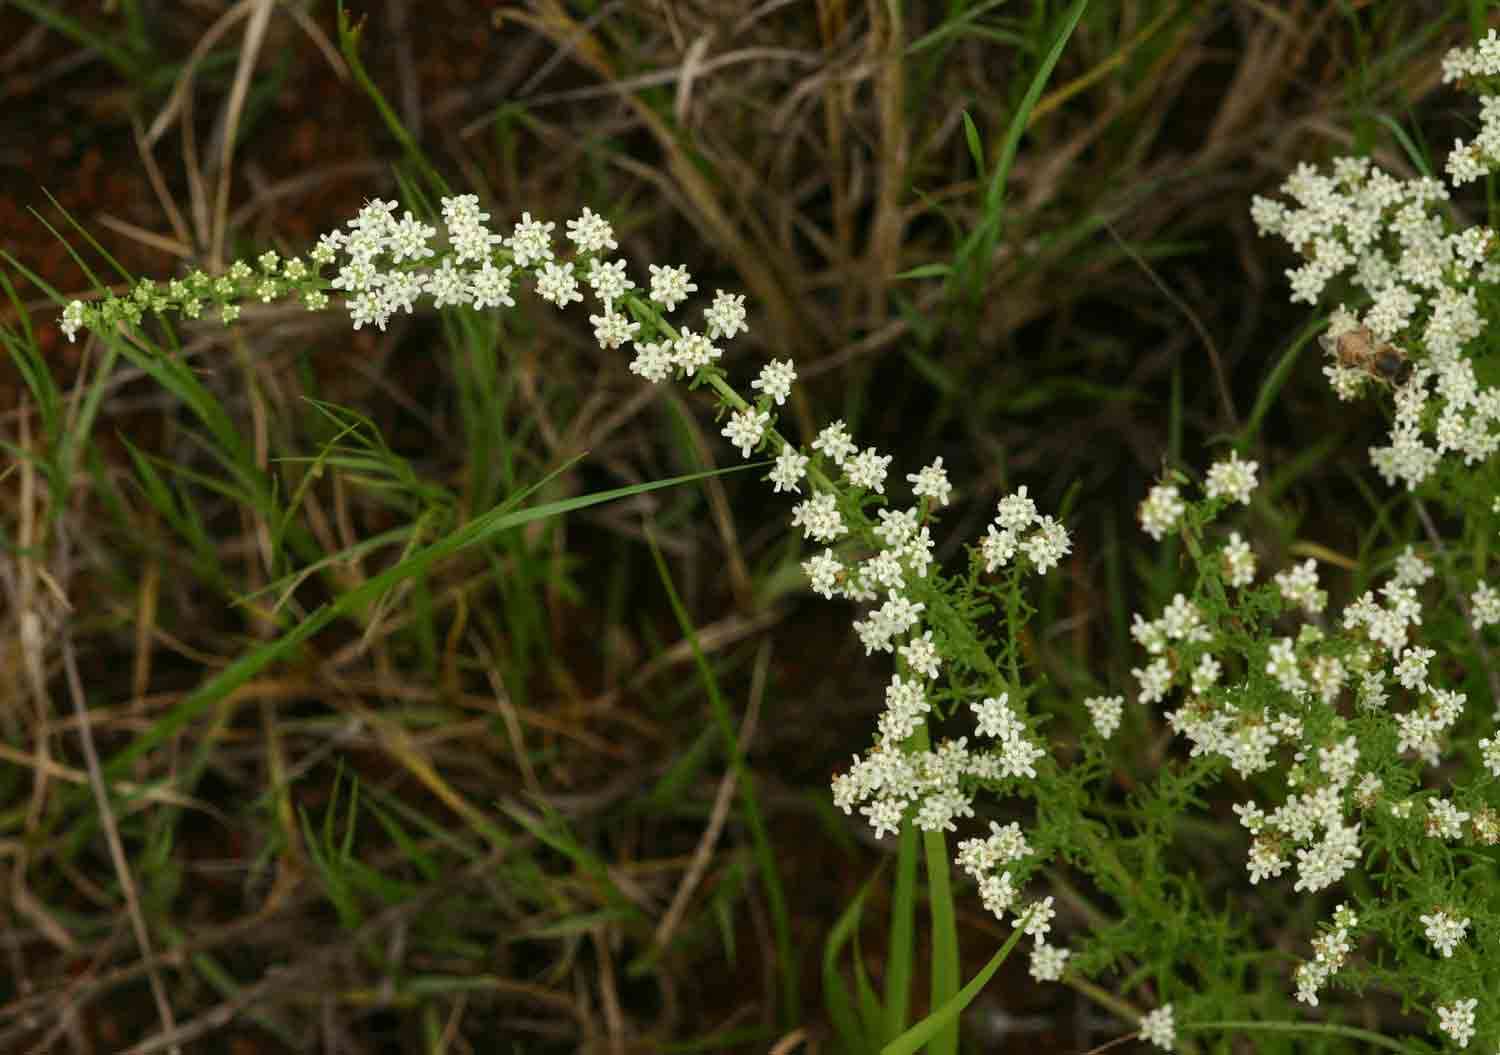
column 408, row 240
column 72, row 320
column 1282, row 666
column 471, row 240
column 791, row 467
column 1105, row 711
column 1038, row 918
column 1155, row 680
column 1239, row 562
column 1206, row 673
column 532, row 242
column 652, row 361
column 1411, row 569
column 691, row 351
column 921, row 655
column 591, row 232
column 776, row 379
column 1251, row 816
column 823, row 571
column 1299, row 586
column 745, row 429
column 1017, row 755
column 670, row 286
column 1411, row 669
column 366, row 306
column 931, row 482
column 490, row 286
column 1490, row 746
column 1047, row 962
column 884, row 815
column 356, row 276
column 868, row 469
column 1047, row 545
column 401, row 289
column 462, row 209
column 1445, row 820
column 897, row 529
column 448, row 285
column 1233, row 478
column 1444, row 931
column 905, row 703
column 997, row 893
column 996, row 718
column 1017, row 511
column 557, row 284
column 1310, row 978
column 612, row 330
column 1266, row 858
column 727, row 315
column 1457, row 1020
column 1485, row 604
column 1161, row 510
column 1181, row 621
column 608, row 281
column 835, row 442
column 997, row 548
column 328, row 247
column 1159, row 1028
column 819, row 518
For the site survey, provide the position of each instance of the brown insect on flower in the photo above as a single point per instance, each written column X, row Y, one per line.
column 1359, row 349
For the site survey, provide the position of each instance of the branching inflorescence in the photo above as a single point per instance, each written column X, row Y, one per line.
column 1354, row 708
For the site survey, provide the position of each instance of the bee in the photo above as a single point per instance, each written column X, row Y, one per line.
column 1359, row 349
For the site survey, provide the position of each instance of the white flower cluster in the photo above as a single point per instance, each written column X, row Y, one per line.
column 1238, row 561
column 1164, row 504
column 1444, row 931
column 1295, row 823
column 889, row 780
column 1160, row 1028
column 1484, row 603
column 1330, row 949
column 377, row 247
column 985, row 860
column 1313, row 828
column 1391, row 238
column 1106, row 712
column 1299, row 586
column 1232, row 479
column 1489, row 747
column 1457, row 1020
column 1180, row 622
column 1471, row 161
column 998, row 721
column 1161, row 510
column 1386, row 626
column 1046, row 544
column 385, row 265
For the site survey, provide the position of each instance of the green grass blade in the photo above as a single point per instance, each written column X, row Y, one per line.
column 902, row 953
column 946, row 1016
column 848, row 1027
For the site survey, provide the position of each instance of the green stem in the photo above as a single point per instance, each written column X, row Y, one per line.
column 945, row 965
column 1332, row 1029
